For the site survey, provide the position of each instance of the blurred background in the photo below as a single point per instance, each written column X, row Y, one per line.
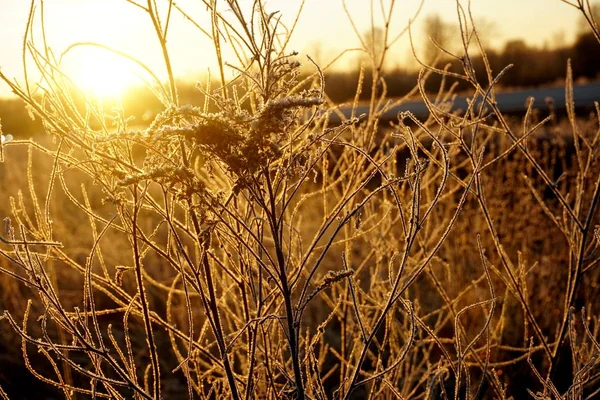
column 537, row 36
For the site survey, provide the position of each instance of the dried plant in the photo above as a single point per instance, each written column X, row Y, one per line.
column 259, row 251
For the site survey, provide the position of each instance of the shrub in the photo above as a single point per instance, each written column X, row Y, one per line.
column 259, row 252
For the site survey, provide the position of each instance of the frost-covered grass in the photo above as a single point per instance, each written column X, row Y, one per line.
column 261, row 252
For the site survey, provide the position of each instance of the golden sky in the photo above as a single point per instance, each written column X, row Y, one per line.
column 323, row 30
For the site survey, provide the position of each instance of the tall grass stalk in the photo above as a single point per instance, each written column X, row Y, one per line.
column 259, row 251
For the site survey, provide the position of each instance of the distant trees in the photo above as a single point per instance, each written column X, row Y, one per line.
column 375, row 43
column 437, row 34
column 14, row 119
column 532, row 65
column 586, row 50
column 586, row 56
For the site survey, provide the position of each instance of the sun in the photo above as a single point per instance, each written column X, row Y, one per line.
column 101, row 73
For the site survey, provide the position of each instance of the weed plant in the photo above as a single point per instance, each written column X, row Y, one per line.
column 261, row 252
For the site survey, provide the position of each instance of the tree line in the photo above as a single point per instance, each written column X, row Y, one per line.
column 533, row 66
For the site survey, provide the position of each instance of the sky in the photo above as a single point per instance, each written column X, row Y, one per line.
column 323, row 31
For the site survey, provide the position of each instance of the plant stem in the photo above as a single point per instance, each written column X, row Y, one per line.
column 143, row 299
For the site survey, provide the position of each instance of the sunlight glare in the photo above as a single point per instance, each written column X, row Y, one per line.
column 102, row 74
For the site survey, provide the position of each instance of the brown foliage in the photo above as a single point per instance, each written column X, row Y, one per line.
column 258, row 252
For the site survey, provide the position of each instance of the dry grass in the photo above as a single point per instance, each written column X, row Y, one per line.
column 260, row 253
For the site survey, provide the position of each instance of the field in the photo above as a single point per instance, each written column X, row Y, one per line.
column 263, row 251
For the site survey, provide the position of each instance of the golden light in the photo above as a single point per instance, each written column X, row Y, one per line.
column 100, row 73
